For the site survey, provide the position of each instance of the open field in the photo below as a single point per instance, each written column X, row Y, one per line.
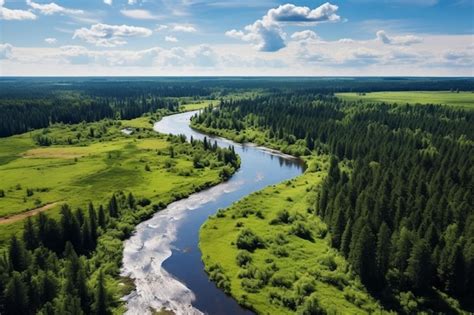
column 461, row 99
column 288, row 268
column 91, row 170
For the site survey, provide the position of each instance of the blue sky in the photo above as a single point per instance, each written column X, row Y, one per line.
column 237, row 37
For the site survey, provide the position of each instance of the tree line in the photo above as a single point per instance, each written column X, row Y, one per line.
column 398, row 198
column 20, row 116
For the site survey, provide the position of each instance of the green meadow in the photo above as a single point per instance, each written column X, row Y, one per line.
column 457, row 99
column 274, row 256
column 99, row 161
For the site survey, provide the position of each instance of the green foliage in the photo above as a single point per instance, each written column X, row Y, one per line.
column 398, row 183
column 249, row 241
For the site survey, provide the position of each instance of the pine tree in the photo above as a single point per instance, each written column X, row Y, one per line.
column 101, row 303
column 382, row 254
column 363, row 259
column 30, row 235
column 93, row 222
column 101, row 218
column 18, row 256
column 16, row 296
column 113, row 207
column 419, row 270
column 131, row 201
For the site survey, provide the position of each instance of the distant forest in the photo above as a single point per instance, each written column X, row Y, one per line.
column 398, row 198
column 31, row 103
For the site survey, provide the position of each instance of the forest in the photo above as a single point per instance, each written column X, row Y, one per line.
column 70, row 263
column 398, row 198
column 382, row 219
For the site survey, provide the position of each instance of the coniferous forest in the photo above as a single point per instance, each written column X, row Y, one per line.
column 392, row 193
column 398, row 198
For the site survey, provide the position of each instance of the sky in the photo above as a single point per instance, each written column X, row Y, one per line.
column 236, row 38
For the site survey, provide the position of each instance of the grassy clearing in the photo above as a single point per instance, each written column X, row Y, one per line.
column 461, row 99
column 285, row 269
column 92, row 169
column 195, row 105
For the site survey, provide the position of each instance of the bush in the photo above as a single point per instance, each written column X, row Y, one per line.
column 283, row 281
column 216, row 274
column 2, row 193
column 243, row 258
column 305, row 286
column 312, row 307
column 226, row 172
column 143, row 202
column 249, row 241
column 283, row 217
column 301, row 230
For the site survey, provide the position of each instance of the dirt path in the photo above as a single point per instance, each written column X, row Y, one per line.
column 29, row 213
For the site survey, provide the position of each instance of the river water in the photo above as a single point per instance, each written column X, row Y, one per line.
column 163, row 256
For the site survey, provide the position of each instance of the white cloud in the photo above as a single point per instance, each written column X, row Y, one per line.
column 186, row 28
column 109, row 2
column 52, row 8
column 139, row 14
column 404, row 40
column 110, row 35
column 291, row 13
column 50, row 40
column 264, row 37
column 5, row 51
column 18, row 15
column 171, row 39
column 267, row 34
column 161, row 27
column 305, row 35
column 132, row 2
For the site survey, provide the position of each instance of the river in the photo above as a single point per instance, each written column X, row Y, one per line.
column 163, row 257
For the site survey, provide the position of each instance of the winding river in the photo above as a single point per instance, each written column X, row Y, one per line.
column 163, row 257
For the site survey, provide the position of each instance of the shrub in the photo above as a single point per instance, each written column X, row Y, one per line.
column 283, row 217
column 283, row 281
column 305, row 286
column 249, row 241
column 2, row 193
column 312, row 307
column 143, row 202
column 243, row 258
column 301, row 230
column 251, row 285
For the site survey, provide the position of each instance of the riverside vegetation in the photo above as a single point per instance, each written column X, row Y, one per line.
column 397, row 201
column 97, row 183
column 388, row 188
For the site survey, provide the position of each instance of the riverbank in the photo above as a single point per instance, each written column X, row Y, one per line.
column 273, row 255
column 163, row 256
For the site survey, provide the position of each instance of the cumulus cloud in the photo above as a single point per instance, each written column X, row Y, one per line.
column 305, row 35
column 264, row 37
column 50, row 40
column 5, row 51
column 291, row 13
column 18, row 15
column 267, row 34
column 186, row 28
column 109, row 2
column 404, row 40
column 52, row 8
column 139, row 14
column 110, row 35
column 171, row 39
column 202, row 56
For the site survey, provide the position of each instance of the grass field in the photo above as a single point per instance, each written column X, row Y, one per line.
column 289, row 269
column 92, row 169
column 195, row 105
column 461, row 99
